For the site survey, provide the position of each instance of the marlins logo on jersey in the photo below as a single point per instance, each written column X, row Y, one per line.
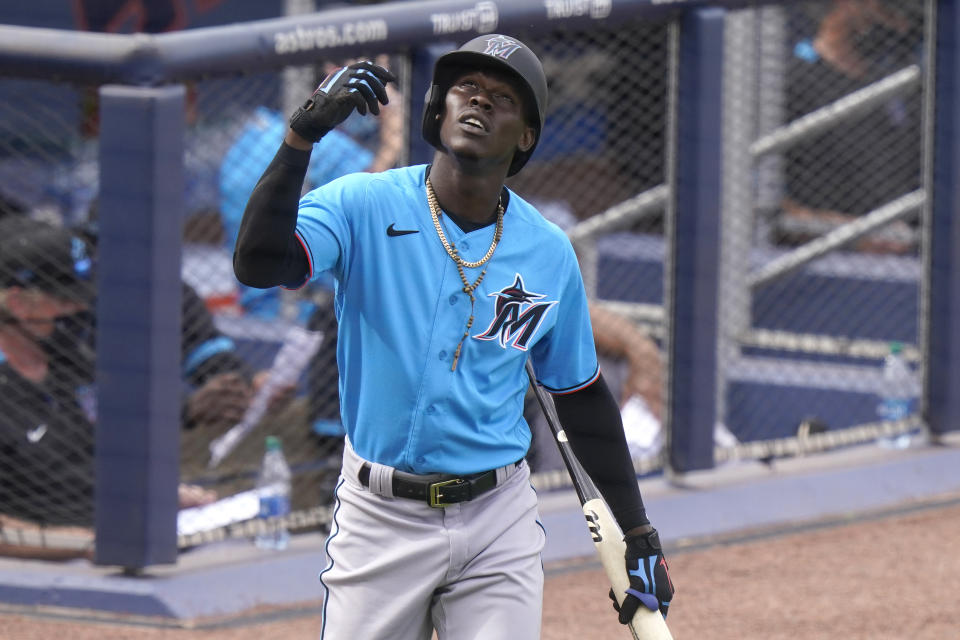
column 517, row 315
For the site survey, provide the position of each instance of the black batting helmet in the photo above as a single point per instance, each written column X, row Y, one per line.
column 490, row 51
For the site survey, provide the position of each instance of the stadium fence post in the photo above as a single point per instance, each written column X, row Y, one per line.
column 138, row 317
column 693, row 255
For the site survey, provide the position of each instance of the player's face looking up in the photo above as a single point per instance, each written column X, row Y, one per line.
column 483, row 118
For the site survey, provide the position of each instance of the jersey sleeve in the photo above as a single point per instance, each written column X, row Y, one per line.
column 565, row 359
column 324, row 224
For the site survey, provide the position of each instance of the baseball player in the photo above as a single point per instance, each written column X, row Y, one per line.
column 446, row 283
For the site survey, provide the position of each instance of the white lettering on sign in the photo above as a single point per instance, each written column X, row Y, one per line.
column 326, row 36
column 482, row 18
column 596, row 9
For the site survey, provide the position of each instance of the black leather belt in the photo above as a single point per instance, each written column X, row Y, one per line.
column 437, row 489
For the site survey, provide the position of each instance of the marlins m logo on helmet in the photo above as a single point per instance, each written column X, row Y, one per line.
column 502, row 47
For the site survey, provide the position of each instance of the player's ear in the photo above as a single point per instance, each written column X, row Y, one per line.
column 527, row 139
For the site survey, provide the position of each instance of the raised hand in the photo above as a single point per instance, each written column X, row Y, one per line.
column 359, row 86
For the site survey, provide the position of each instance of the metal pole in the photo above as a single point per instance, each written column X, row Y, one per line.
column 941, row 334
column 138, row 325
column 736, row 232
column 694, row 242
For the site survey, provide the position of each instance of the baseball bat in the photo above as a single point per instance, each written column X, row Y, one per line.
column 606, row 534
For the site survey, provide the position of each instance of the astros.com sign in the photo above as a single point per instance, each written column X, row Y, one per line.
column 325, row 36
column 482, row 18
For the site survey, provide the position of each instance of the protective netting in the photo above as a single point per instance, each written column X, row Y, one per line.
column 809, row 305
column 823, row 273
column 47, row 399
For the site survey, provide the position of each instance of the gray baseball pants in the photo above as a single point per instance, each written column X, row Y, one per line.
column 398, row 568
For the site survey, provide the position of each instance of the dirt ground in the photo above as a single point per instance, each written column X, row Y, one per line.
column 883, row 578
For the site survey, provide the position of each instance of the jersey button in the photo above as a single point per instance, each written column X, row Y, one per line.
column 465, row 244
column 443, row 355
column 421, row 459
column 431, row 409
column 454, row 298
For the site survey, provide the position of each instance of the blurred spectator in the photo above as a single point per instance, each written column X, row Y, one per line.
column 47, row 401
column 323, row 396
column 47, row 375
column 619, row 338
column 634, row 369
column 337, row 154
column 46, row 433
column 854, row 167
column 631, row 363
column 855, row 36
column 322, row 377
column 119, row 16
column 219, row 383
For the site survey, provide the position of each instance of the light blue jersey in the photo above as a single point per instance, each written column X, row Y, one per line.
column 402, row 312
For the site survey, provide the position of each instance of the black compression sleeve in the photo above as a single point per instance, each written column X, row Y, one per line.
column 268, row 252
column 591, row 419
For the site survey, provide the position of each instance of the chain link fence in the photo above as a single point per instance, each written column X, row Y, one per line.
column 823, row 256
column 821, row 272
column 47, row 395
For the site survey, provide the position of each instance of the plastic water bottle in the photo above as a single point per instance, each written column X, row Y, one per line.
column 896, row 395
column 273, row 487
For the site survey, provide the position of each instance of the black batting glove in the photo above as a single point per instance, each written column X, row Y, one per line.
column 358, row 86
column 650, row 583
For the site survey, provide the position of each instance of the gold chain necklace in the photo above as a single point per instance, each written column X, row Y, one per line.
column 451, row 250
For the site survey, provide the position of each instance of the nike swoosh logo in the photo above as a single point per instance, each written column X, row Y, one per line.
column 400, row 232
